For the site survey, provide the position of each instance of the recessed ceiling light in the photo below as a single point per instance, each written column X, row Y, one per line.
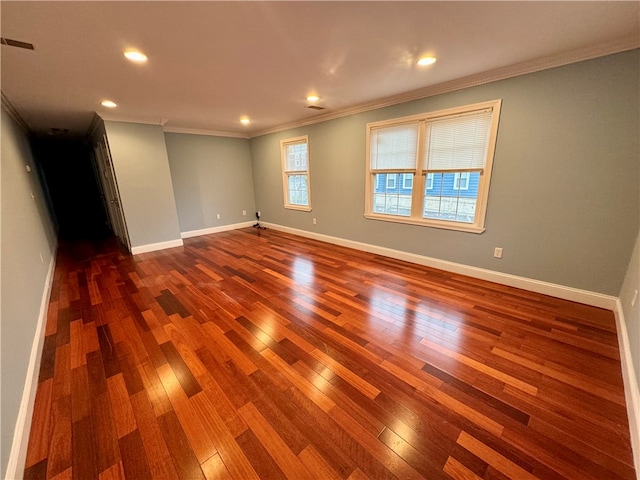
column 109, row 104
column 135, row 56
column 313, row 98
column 427, row 61
column 245, row 121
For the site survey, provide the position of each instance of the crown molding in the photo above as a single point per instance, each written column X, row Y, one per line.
column 539, row 64
column 169, row 129
column 212, row 133
column 107, row 117
column 13, row 113
column 93, row 126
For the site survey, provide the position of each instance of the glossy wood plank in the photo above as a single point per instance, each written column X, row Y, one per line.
column 134, row 458
column 184, row 460
column 258, row 354
column 232, row 455
column 123, row 417
column 85, row 459
column 115, row 472
column 264, row 465
column 290, row 465
column 214, row 469
column 458, row 471
column 499, row 462
column 40, row 435
column 160, row 462
column 60, row 450
column 316, row 465
column 199, row 440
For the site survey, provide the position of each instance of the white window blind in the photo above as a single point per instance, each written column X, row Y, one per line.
column 394, row 148
column 296, row 157
column 458, row 142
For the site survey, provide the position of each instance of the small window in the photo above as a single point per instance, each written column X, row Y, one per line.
column 391, row 181
column 295, row 173
column 437, row 167
column 461, row 181
column 429, row 181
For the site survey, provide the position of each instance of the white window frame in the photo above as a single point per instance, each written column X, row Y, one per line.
column 420, row 174
column 304, row 139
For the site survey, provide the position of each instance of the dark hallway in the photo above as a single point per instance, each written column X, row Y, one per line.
column 74, row 192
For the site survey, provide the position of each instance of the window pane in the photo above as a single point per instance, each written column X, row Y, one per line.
column 296, row 157
column 446, row 198
column 298, row 191
column 390, row 196
column 394, row 147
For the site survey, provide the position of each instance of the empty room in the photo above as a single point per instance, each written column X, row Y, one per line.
column 320, row 240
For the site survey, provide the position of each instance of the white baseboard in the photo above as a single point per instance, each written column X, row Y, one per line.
column 152, row 247
column 221, row 228
column 18, row 454
column 631, row 389
column 546, row 288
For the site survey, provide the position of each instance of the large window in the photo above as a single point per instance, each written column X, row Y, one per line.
column 433, row 169
column 295, row 173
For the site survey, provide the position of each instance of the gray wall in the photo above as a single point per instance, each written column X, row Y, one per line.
column 27, row 233
column 211, row 175
column 564, row 200
column 142, row 171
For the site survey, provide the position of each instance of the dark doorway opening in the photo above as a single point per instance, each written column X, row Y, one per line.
column 68, row 168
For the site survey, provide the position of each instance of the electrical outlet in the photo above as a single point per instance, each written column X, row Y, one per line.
column 259, row 214
column 314, row 221
column 218, row 216
column 497, row 252
column 244, row 213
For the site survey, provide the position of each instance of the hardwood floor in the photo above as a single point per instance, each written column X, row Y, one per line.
column 258, row 354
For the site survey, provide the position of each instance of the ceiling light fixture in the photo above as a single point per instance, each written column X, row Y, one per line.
column 109, row 104
column 313, row 98
column 245, row 121
column 427, row 61
column 135, row 56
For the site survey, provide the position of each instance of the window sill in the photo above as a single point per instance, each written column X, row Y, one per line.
column 300, row 208
column 460, row 227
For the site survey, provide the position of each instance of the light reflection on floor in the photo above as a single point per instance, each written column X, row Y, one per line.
column 410, row 320
column 303, row 271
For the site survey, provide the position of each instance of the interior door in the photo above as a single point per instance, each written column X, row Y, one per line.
column 110, row 188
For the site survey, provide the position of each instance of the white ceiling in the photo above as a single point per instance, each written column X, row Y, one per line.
column 212, row 62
